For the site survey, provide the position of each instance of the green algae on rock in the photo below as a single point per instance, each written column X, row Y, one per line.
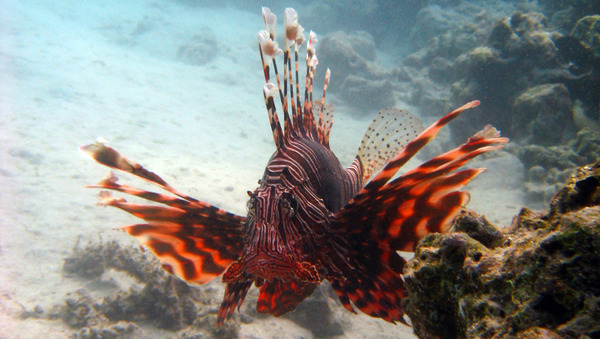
column 541, row 275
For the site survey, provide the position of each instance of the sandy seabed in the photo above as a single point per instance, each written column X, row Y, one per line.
column 73, row 72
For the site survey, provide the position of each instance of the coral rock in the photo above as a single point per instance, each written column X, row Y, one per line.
column 356, row 77
column 157, row 297
column 365, row 94
column 544, row 115
column 548, row 166
column 587, row 30
column 540, row 277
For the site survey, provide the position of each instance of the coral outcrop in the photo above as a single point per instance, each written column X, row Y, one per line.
column 587, row 30
column 539, row 110
column 540, row 277
column 529, row 72
column 564, row 14
column 548, row 166
column 358, row 79
column 155, row 297
column 518, row 55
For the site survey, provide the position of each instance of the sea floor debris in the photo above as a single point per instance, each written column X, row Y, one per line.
column 157, row 299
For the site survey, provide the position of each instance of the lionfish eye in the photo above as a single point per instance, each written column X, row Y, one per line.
column 251, row 204
column 288, row 205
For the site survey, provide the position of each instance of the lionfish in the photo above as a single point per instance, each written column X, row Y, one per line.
column 310, row 219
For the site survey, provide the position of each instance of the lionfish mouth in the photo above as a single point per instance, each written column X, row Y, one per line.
column 269, row 268
column 264, row 266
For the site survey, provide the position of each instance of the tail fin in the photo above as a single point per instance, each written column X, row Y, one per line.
column 193, row 240
column 388, row 216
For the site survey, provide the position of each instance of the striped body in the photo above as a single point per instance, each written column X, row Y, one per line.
column 310, row 219
column 301, row 187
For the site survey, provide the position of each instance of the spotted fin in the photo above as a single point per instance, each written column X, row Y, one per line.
column 390, row 131
column 388, row 216
column 193, row 240
column 411, row 149
column 325, row 118
column 277, row 297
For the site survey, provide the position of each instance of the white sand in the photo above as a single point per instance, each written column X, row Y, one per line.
column 72, row 73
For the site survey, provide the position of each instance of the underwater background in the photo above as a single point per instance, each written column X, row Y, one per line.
column 177, row 86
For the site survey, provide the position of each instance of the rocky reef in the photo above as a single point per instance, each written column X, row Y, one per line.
column 154, row 297
column 535, row 67
column 547, row 167
column 358, row 79
column 532, row 74
column 535, row 70
column 538, row 278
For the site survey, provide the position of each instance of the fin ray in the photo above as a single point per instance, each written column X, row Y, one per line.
column 388, row 216
column 389, row 132
column 277, row 297
column 235, row 293
column 392, row 167
column 109, row 157
column 194, row 247
column 192, row 239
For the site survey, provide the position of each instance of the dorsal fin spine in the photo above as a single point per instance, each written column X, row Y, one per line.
column 322, row 131
column 282, row 96
column 269, row 92
column 301, row 120
column 298, row 102
column 291, row 84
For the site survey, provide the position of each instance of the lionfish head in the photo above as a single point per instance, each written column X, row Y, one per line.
column 278, row 233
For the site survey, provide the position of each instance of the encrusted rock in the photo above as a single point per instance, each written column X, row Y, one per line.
column 540, row 277
column 544, row 115
column 157, row 297
column 315, row 313
column 357, row 78
column 565, row 13
column 366, row 94
column 521, row 54
column 582, row 190
column 548, row 167
column 349, row 53
column 587, row 30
